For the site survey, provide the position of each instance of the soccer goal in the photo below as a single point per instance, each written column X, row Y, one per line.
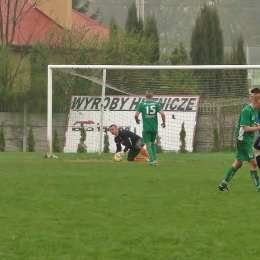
column 97, row 96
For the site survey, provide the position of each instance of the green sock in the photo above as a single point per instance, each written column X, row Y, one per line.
column 231, row 172
column 150, row 151
column 154, row 151
column 255, row 178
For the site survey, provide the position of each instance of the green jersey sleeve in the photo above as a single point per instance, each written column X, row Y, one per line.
column 158, row 107
column 245, row 118
column 139, row 108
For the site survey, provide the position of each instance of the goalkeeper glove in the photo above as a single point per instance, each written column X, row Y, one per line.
column 119, row 154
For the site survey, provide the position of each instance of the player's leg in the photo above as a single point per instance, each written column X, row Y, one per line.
column 253, row 173
column 241, row 155
column 153, row 145
column 256, row 147
column 132, row 154
column 140, row 146
column 229, row 175
column 147, row 141
column 144, row 152
column 253, row 163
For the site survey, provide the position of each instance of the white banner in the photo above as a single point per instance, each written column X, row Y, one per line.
column 120, row 110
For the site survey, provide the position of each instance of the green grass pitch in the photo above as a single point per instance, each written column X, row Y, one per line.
column 84, row 206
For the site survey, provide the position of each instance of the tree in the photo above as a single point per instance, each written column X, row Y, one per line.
column 207, row 48
column 236, row 79
column 159, row 148
column 84, row 8
column 106, row 142
column 2, row 138
column 183, row 139
column 82, row 148
column 216, row 141
column 13, row 82
column 179, row 55
column 151, row 34
column 12, row 12
column 6, row 78
column 133, row 24
column 38, row 79
column 207, row 40
column 56, row 143
column 240, row 58
column 30, row 141
column 113, row 28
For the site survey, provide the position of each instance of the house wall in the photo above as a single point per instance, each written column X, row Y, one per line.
column 58, row 10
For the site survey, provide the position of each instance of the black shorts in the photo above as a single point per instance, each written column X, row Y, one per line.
column 134, row 151
column 257, row 143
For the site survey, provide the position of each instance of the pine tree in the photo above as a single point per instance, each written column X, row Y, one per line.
column 207, row 48
column 216, row 141
column 2, row 138
column 159, row 148
column 112, row 56
column 82, row 148
column 38, row 64
column 240, row 59
column 179, row 55
column 30, row 141
column 106, row 142
column 183, row 139
column 236, row 79
column 133, row 24
column 83, row 8
column 56, row 143
column 113, row 28
column 151, row 34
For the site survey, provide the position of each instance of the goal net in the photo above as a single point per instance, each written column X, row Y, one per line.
column 96, row 96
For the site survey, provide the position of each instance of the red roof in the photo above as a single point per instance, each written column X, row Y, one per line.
column 35, row 25
column 93, row 28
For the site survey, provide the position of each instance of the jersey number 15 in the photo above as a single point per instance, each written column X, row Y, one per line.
column 150, row 110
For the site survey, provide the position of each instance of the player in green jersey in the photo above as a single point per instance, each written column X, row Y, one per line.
column 149, row 109
column 245, row 132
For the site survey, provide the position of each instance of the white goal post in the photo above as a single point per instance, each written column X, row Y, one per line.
column 104, row 69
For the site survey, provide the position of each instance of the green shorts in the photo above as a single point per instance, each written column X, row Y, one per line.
column 244, row 152
column 149, row 136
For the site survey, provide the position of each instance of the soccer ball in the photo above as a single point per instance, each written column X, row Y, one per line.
column 117, row 158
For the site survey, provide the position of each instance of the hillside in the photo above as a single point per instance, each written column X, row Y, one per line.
column 176, row 17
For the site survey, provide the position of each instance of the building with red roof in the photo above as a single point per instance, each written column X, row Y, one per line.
column 47, row 21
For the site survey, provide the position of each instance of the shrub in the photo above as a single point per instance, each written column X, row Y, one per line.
column 106, row 142
column 82, row 148
column 55, row 142
column 2, row 139
column 158, row 143
column 216, row 141
column 30, row 141
column 183, row 139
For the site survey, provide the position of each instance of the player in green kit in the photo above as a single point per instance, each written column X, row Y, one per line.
column 149, row 109
column 245, row 132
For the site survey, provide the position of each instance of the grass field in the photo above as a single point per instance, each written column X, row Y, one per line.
column 82, row 206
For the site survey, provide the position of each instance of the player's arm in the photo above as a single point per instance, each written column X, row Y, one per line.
column 137, row 120
column 127, row 142
column 251, row 128
column 245, row 122
column 163, row 118
column 118, row 147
